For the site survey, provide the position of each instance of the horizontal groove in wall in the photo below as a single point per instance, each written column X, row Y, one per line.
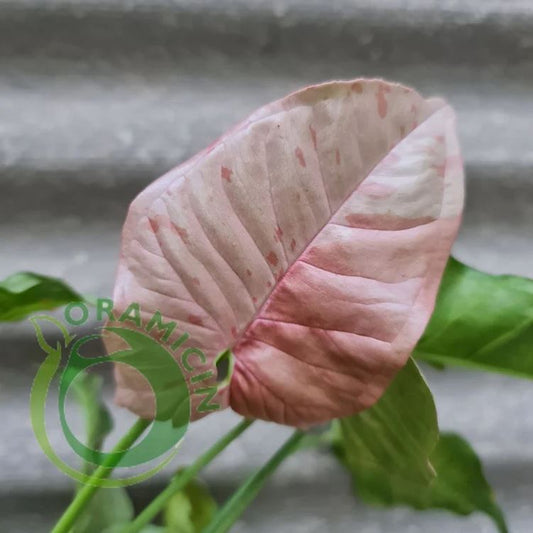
column 362, row 32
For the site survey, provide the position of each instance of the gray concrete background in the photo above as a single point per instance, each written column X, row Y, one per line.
column 98, row 98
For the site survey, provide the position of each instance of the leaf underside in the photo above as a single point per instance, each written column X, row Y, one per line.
column 395, row 455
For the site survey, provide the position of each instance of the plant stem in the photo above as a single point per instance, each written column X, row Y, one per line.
column 181, row 479
column 247, row 492
column 85, row 494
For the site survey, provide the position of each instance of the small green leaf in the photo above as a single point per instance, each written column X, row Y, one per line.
column 460, row 485
column 189, row 510
column 98, row 422
column 108, row 508
column 396, row 435
column 25, row 292
column 481, row 321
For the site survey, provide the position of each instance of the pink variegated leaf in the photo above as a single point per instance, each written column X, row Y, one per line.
column 310, row 240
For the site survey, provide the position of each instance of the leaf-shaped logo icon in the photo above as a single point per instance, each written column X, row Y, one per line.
column 149, row 358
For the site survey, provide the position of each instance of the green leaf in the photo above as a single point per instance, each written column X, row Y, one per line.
column 481, row 321
column 25, row 292
column 460, row 485
column 87, row 389
column 394, row 454
column 396, row 435
column 108, row 509
column 189, row 510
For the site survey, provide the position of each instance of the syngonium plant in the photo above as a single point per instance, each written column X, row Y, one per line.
column 309, row 243
column 309, row 240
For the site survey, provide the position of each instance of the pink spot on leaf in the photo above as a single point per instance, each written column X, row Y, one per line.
column 182, row 232
column 440, row 169
column 195, row 319
column 225, row 173
column 382, row 101
column 272, row 258
column 234, row 332
column 313, row 136
column 279, row 232
column 299, row 154
column 196, row 281
column 293, row 245
column 154, row 224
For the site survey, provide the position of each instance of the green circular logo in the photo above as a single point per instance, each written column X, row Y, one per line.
column 143, row 353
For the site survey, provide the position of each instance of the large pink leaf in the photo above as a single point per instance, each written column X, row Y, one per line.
column 310, row 240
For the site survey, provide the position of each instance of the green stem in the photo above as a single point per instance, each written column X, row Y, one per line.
column 247, row 492
column 85, row 494
column 180, row 480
